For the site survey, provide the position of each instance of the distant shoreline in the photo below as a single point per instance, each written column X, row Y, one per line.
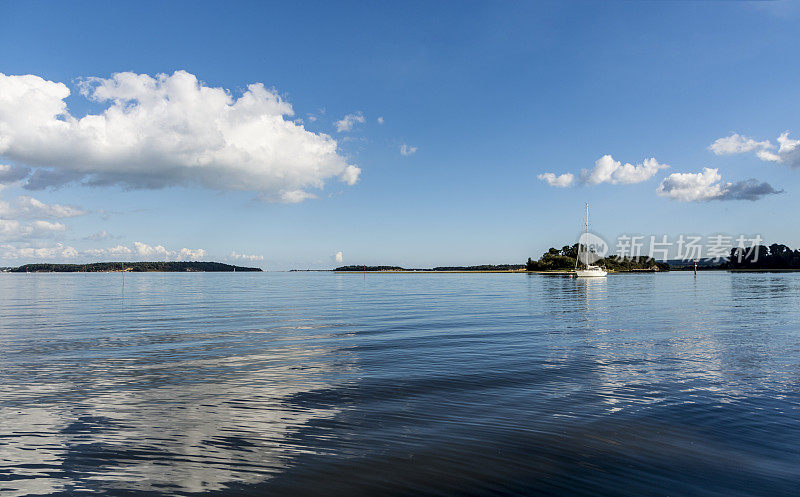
column 466, row 271
column 555, row 273
column 132, row 267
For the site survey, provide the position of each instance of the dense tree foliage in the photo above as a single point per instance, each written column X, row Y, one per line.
column 369, row 268
column 776, row 256
column 484, row 267
column 564, row 259
column 132, row 266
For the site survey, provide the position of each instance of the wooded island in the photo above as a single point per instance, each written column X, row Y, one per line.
column 135, row 267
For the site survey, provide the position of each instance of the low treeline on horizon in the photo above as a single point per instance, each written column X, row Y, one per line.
column 775, row 256
column 761, row 257
column 134, row 267
column 484, row 267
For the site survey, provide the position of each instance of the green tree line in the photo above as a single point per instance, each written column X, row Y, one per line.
column 775, row 256
column 99, row 267
column 564, row 259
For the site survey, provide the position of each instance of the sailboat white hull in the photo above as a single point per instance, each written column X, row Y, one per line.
column 590, row 273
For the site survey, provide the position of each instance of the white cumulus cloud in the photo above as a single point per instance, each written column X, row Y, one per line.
column 116, row 251
column 561, row 181
column 139, row 251
column 707, row 185
column 407, row 150
column 145, row 250
column 57, row 252
column 163, row 131
column 186, row 254
column 348, row 122
column 608, row 170
column 338, row 257
column 787, row 151
column 737, row 144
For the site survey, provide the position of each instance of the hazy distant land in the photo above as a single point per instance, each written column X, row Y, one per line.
column 136, row 267
column 775, row 257
column 482, row 268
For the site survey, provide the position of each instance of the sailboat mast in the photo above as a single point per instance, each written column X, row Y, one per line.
column 586, row 238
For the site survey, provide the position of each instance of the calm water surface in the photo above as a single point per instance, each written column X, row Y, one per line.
column 399, row 384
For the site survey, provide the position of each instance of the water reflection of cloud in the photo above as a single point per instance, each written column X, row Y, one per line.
column 31, row 449
column 170, row 409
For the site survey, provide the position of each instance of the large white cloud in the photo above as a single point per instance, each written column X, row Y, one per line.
column 162, row 131
column 786, row 152
column 707, row 185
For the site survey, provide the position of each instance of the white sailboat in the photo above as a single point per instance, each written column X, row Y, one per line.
column 589, row 270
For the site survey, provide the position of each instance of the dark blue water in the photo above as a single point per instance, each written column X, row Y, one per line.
column 399, row 384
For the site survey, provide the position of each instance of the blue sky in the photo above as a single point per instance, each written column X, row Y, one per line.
column 485, row 97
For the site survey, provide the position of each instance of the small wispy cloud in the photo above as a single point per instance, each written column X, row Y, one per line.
column 348, row 122
column 406, row 150
column 245, row 257
column 559, row 181
column 13, row 230
column 99, row 236
column 25, row 207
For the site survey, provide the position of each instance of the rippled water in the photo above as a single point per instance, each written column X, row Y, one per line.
column 399, row 384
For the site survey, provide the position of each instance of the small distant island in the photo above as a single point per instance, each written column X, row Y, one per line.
column 135, row 267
